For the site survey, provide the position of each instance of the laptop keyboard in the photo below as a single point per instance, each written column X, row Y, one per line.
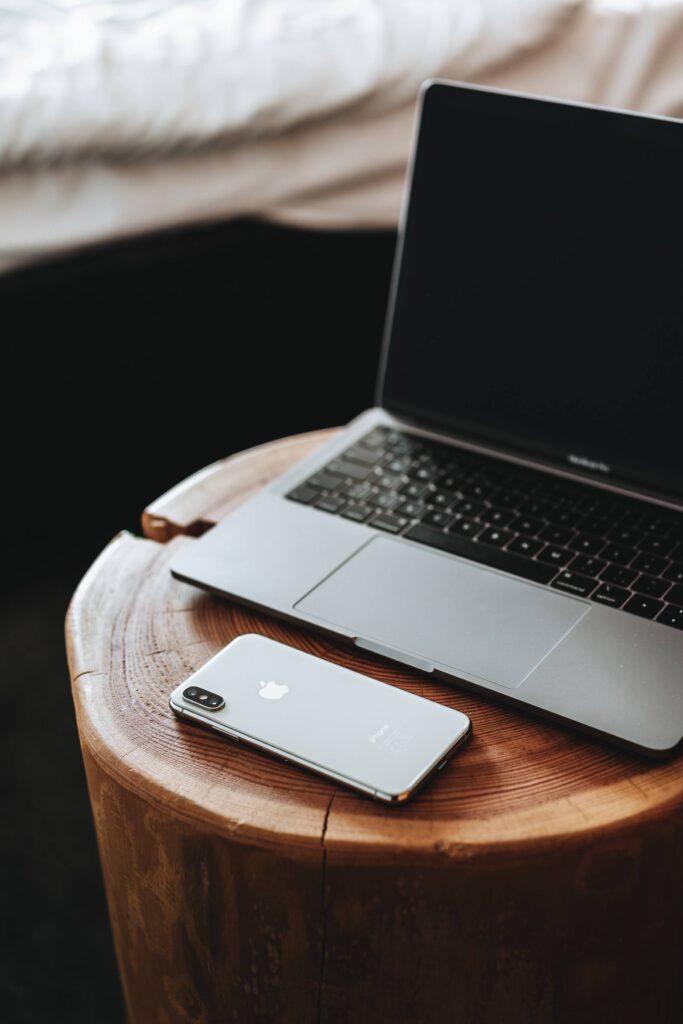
column 591, row 543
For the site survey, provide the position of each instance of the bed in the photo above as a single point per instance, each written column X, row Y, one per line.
column 118, row 119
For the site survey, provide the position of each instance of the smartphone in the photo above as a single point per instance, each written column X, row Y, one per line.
column 366, row 734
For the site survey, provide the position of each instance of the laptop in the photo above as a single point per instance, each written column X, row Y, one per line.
column 509, row 516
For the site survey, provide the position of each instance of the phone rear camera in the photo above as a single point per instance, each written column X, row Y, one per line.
column 204, row 698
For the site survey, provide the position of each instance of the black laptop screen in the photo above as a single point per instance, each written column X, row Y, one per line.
column 539, row 300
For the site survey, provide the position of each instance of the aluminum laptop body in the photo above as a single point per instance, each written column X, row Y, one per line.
column 509, row 516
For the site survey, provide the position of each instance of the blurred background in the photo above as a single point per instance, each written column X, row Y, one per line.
column 198, row 210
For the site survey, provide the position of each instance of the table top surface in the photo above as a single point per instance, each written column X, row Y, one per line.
column 134, row 633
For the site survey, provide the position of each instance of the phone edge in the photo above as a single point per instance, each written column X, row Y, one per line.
column 379, row 795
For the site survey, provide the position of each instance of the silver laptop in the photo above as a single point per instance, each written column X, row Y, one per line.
column 510, row 515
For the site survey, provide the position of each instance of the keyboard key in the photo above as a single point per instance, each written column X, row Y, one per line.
column 658, row 523
column 655, row 545
column 303, row 494
column 555, row 556
column 469, row 507
column 403, row 443
column 465, row 527
column 390, row 523
column 486, row 554
column 387, row 481
column 674, row 572
column 330, row 503
column 383, row 499
column 527, row 524
column 675, row 595
column 525, row 546
column 574, row 583
column 650, row 585
column 619, row 575
column 438, row 517
column 534, row 507
column 413, row 490
column 344, row 468
column 375, row 438
column 495, row 536
column 556, row 535
column 441, row 499
column 649, row 563
column 617, row 553
column 497, row 516
column 451, row 481
column 646, row 607
column 586, row 545
column 628, row 514
column 505, row 499
column 571, row 494
column 411, row 509
column 562, row 516
column 358, row 512
column 671, row 616
column 587, row 565
column 625, row 535
column 605, row 501
column 325, row 481
column 475, row 489
column 357, row 491
column 367, row 456
column 384, row 478
column 595, row 525
column 424, row 474
column 611, row 595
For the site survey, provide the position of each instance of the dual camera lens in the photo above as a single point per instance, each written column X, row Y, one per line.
column 204, row 698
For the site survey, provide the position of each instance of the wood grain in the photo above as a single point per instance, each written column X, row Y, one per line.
column 537, row 878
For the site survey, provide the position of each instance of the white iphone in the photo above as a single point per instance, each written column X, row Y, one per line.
column 371, row 736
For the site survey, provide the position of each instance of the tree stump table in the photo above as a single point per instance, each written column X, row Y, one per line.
column 537, row 878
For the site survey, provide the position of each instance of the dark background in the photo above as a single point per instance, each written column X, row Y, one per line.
column 125, row 369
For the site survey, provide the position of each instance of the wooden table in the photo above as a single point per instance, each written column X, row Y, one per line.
column 538, row 878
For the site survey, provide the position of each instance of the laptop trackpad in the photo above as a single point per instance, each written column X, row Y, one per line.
column 451, row 613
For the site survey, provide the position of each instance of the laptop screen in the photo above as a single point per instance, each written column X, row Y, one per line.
column 538, row 302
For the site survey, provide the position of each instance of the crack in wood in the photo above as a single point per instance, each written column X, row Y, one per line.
column 323, row 908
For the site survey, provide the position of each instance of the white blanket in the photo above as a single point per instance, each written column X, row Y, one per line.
column 343, row 170
column 140, row 77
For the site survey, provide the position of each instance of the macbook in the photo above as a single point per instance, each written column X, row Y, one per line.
column 509, row 515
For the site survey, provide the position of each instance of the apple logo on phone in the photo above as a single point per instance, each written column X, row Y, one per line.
column 272, row 690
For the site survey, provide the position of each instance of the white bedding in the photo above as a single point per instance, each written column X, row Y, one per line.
column 344, row 169
column 131, row 77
